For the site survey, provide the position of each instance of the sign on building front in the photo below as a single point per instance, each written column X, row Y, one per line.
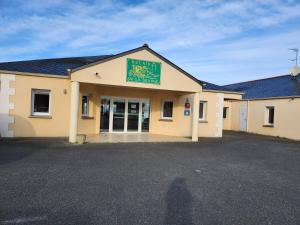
column 142, row 71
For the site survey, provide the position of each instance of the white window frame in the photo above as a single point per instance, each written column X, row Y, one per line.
column 88, row 105
column 40, row 91
column 267, row 115
column 204, row 118
column 162, row 109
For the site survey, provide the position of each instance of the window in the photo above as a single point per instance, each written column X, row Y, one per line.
column 270, row 113
column 225, row 111
column 40, row 102
column 85, row 105
column 202, row 110
column 167, row 109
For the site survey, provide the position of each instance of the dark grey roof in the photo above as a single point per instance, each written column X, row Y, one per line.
column 58, row 66
column 213, row 87
column 281, row 86
column 61, row 65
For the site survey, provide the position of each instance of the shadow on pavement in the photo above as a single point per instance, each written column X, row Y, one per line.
column 179, row 203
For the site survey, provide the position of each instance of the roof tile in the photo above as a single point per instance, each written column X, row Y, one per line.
column 281, row 86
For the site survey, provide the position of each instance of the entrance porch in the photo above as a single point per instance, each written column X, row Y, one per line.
column 133, row 137
column 124, row 114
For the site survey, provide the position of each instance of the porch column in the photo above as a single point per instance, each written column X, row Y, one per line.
column 196, row 104
column 74, row 111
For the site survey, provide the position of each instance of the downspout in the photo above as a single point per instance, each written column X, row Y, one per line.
column 247, row 129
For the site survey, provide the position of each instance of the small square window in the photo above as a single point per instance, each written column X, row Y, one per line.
column 225, row 112
column 202, row 110
column 40, row 102
column 85, row 105
column 167, row 109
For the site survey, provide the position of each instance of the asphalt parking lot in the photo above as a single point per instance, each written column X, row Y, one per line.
column 239, row 179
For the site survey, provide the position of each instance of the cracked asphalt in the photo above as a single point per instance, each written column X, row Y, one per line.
column 238, row 179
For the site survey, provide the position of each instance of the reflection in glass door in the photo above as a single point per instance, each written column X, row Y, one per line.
column 133, row 115
column 145, row 116
column 118, row 114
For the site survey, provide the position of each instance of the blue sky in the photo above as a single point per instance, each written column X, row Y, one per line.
column 217, row 41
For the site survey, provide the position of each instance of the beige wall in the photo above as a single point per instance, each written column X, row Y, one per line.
column 26, row 126
column 113, row 72
column 213, row 123
column 233, row 121
column 174, row 85
column 58, row 124
column 180, row 125
column 231, row 96
column 111, row 81
column 286, row 122
column 227, row 120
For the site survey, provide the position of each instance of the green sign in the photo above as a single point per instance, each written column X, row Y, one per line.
column 143, row 71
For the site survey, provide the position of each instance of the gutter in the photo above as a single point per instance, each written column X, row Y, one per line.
column 226, row 92
column 270, row 98
column 35, row 74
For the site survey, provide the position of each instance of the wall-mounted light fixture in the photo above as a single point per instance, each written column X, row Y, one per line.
column 65, row 91
column 97, row 74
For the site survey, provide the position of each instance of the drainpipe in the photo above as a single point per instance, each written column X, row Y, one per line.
column 247, row 116
column 195, row 118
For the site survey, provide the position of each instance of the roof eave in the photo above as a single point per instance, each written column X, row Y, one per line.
column 106, row 59
column 221, row 91
column 270, row 98
column 35, row 74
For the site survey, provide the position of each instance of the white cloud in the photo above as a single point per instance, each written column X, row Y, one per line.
column 181, row 30
column 245, row 59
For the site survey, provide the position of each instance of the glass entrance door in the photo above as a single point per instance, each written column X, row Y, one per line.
column 118, row 114
column 145, row 116
column 133, row 115
column 104, row 114
column 124, row 115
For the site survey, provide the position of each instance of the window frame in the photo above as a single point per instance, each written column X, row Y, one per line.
column 40, row 91
column 267, row 116
column 162, row 109
column 204, row 118
column 88, row 105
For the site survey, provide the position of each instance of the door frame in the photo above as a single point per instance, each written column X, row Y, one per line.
column 126, row 99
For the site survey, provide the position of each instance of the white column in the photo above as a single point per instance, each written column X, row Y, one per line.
column 219, row 114
column 74, row 111
column 196, row 103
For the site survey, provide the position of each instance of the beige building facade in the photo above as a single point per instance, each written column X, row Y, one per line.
column 270, row 106
column 253, row 116
column 137, row 91
column 100, row 96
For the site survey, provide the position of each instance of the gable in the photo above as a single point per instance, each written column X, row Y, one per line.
column 114, row 71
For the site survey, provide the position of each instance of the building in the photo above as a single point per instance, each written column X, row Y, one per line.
column 269, row 106
column 134, row 91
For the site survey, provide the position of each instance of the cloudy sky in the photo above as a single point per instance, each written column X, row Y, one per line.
column 217, row 41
